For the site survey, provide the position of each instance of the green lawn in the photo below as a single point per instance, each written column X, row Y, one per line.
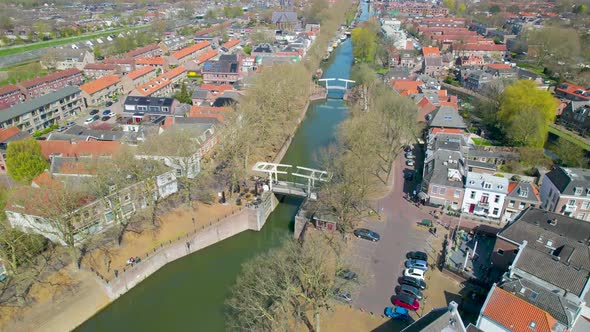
column 480, row 141
column 61, row 41
column 572, row 138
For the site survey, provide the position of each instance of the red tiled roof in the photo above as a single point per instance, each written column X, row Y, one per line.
column 522, row 313
column 206, row 56
column 8, row 133
column 99, row 84
column 157, row 61
column 79, row 149
column 430, row 51
column 447, row 131
column 50, row 78
column 120, row 61
column 159, row 82
column 479, row 47
column 231, row 43
column 216, row 87
column 190, row 49
column 142, row 50
column 572, row 89
column 8, row 89
column 100, row 66
column 406, row 86
column 140, row 72
column 499, row 66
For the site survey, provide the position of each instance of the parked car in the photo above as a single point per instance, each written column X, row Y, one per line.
column 106, row 112
column 94, row 111
column 70, row 124
column 367, row 234
column 408, row 148
column 111, row 114
column 90, row 120
column 406, row 301
column 108, row 103
column 347, row 274
column 417, row 255
column 410, row 290
column 62, row 128
column 342, row 296
column 414, row 273
column 105, row 118
column 409, row 155
column 397, row 313
column 409, row 175
column 420, row 284
column 417, row 264
column 410, row 162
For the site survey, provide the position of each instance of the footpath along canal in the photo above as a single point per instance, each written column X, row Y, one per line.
column 189, row 294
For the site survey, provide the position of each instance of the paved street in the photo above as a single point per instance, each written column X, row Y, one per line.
column 382, row 262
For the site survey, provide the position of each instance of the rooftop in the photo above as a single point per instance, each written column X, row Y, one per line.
column 100, row 84
column 486, row 182
column 190, row 49
column 140, row 72
column 79, row 149
column 570, row 181
column 50, row 78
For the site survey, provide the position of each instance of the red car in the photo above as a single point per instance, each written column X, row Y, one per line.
column 406, row 301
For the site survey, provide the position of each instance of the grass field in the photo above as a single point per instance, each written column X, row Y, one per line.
column 22, row 72
column 482, row 142
column 61, row 41
column 572, row 138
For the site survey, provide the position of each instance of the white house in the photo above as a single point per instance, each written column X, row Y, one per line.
column 484, row 195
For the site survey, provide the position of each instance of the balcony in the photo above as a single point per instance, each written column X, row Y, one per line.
column 483, row 204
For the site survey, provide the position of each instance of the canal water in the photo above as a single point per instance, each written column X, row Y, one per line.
column 189, row 294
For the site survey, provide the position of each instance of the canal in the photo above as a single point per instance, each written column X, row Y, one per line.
column 189, row 294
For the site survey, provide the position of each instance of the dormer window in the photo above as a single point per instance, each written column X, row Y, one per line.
column 578, row 191
column 500, row 187
column 487, row 185
column 523, row 192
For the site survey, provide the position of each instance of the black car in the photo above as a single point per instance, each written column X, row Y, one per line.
column 367, row 234
column 409, row 175
column 94, row 111
column 108, row 103
column 419, row 255
column 347, row 274
column 409, row 290
column 105, row 118
column 420, row 284
column 408, row 148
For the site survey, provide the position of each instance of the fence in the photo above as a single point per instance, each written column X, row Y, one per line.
column 164, row 246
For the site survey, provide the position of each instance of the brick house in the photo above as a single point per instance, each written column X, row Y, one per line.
column 521, row 195
column 39, row 86
column 98, row 70
column 567, row 191
column 126, row 65
column 186, row 54
column 69, row 58
column 158, row 63
column 576, row 115
column 572, row 92
column 10, row 95
column 491, row 50
column 152, row 50
column 223, row 71
column 484, row 195
column 163, row 85
column 99, row 91
column 137, row 77
column 45, row 111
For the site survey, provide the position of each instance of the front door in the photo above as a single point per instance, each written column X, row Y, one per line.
column 471, row 208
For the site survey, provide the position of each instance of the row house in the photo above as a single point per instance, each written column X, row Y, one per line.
column 189, row 53
column 100, row 90
column 158, row 63
column 92, row 215
column 546, row 262
column 484, row 195
column 10, row 95
column 173, row 44
column 8, row 135
column 45, row 111
column 98, row 70
column 207, row 93
column 152, row 50
column 491, row 50
column 39, row 86
column 162, row 85
column 140, row 109
column 204, row 57
column 223, row 71
column 137, row 77
column 567, row 191
column 576, row 115
column 126, row 65
column 231, row 44
column 572, row 92
column 521, row 196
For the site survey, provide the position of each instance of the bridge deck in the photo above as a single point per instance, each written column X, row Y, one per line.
column 293, row 189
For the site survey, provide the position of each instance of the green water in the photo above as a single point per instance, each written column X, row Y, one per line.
column 188, row 294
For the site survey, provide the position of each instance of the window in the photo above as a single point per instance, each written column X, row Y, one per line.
column 497, row 199
column 457, row 193
column 472, row 196
column 586, row 205
column 495, row 212
column 500, row 252
column 435, row 189
column 549, row 243
column 484, row 198
column 443, row 190
column 511, row 204
column 582, row 216
column 578, row 190
column 487, row 185
column 521, row 206
column 571, row 202
column 514, row 252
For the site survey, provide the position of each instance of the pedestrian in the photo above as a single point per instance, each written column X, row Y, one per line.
column 188, row 245
column 116, row 273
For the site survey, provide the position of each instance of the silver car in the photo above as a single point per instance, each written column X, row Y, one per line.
column 417, row 264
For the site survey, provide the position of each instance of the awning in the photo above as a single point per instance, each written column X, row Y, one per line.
column 422, row 196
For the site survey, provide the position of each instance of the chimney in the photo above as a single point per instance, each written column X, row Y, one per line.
column 453, row 306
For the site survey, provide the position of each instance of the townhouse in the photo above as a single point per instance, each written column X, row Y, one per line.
column 484, row 195
column 152, row 50
column 189, row 53
column 137, row 77
column 521, row 196
column 572, row 92
column 223, row 71
column 100, row 90
column 45, row 111
column 10, row 95
column 576, row 115
column 139, row 109
column 547, row 263
column 39, row 86
column 157, row 63
column 126, row 65
column 162, row 85
column 567, row 191
column 491, row 50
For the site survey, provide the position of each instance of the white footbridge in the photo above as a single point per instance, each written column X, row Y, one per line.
column 283, row 179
